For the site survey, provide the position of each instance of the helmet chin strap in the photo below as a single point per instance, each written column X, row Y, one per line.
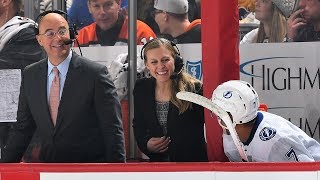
column 218, row 111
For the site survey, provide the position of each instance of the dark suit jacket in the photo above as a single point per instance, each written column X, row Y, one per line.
column 89, row 126
column 185, row 130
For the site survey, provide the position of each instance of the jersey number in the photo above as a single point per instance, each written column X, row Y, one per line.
column 291, row 154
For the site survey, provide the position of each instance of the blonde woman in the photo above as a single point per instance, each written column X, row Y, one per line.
column 272, row 16
column 166, row 128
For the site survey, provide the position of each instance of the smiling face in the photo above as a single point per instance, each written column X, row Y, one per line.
column 160, row 63
column 54, row 44
column 104, row 12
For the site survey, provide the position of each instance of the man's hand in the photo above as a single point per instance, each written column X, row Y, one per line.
column 294, row 23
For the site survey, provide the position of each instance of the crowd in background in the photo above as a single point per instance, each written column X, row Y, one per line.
column 280, row 20
column 78, row 12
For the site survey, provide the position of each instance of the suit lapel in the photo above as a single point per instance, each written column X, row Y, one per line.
column 43, row 78
column 73, row 74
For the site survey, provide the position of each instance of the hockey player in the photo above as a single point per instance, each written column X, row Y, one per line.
column 265, row 137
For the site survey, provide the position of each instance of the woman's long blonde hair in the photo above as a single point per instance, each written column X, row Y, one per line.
column 183, row 82
column 277, row 30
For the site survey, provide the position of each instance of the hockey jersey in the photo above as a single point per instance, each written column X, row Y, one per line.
column 88, row 35
column 274, row 139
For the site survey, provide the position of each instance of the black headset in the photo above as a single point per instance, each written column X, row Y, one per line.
column 178, row 60
column 72, row 29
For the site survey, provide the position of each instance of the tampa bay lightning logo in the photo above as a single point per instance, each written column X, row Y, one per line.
column 227, row 94
column 267, row 133
column 194, row 68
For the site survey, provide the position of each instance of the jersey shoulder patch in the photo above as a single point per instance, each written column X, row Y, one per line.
column 267, row 133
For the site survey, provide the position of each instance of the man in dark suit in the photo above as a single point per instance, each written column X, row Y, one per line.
column 84, row 124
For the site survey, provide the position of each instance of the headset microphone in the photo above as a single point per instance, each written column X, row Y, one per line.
column 69, row 41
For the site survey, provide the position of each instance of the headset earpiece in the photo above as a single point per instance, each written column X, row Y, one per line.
column 178, row 60
column 178, row 64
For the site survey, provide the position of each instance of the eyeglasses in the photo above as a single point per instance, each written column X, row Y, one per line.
column 51, row 34
column 155, row 12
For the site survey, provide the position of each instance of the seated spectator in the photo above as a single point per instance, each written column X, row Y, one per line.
column 172, row 18
column 272, row 16
column 262, row 136
column 304, row 24
column 166, row 128
column 18, row 45
column 110, row 27
column 79, row 14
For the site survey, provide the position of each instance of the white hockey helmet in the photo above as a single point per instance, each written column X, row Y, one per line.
column 239, row 99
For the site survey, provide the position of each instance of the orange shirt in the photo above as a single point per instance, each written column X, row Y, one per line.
column 144, row 33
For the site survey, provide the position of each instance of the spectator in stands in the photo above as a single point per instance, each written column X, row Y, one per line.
column 78, row 121
column 304, row 24
column 272, row 16
column 172, row 18
column 79, row 14
column 18, row 45
column 110, row 27
column 145, row 13
column 165, row 128
column 265, row 137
